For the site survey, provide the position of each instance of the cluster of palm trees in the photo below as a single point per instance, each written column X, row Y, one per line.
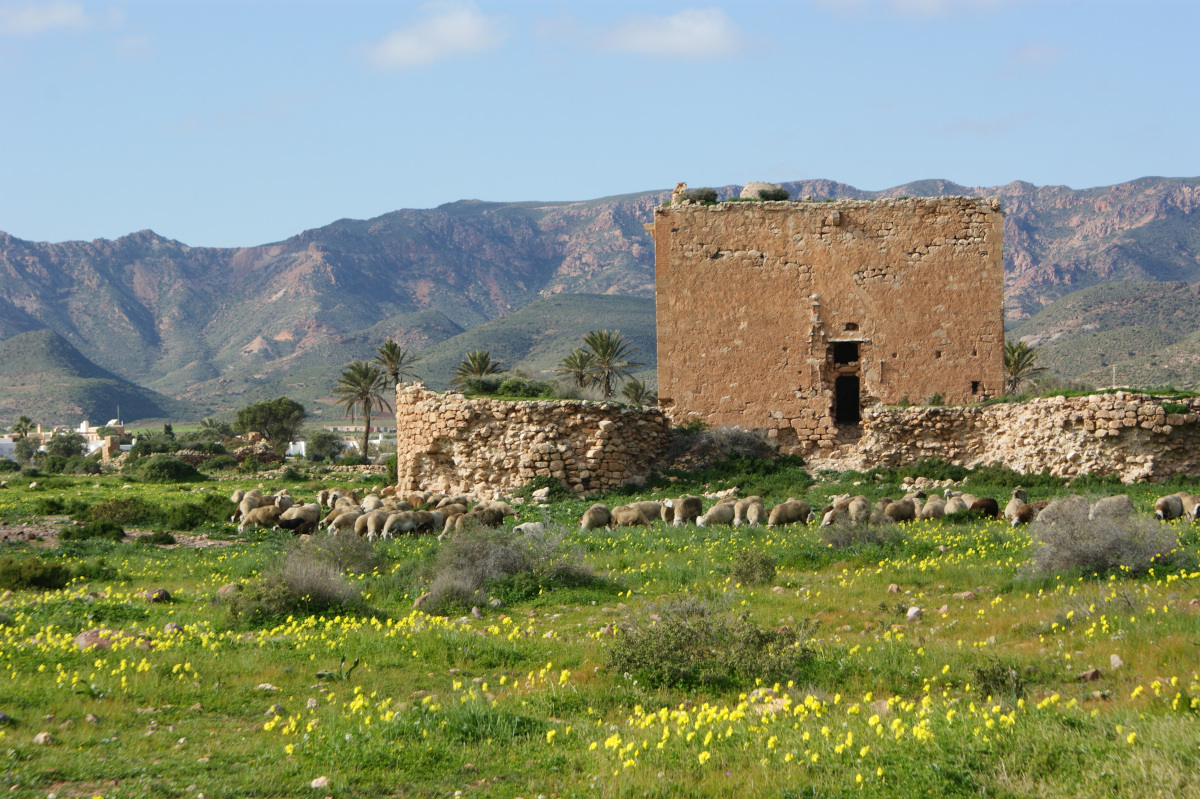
column 360, row 387
column 603, row 360
column 1020, row 364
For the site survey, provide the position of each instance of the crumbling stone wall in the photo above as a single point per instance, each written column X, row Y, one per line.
column 1127, row 434
column 762, row 307
column 488, row 447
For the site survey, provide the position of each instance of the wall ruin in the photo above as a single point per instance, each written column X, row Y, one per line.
column 1130, row 435
column 488, row 447
column 790, row 317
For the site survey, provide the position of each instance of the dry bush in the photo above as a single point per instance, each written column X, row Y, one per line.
column 310, row 579
column 752, row 567
column 846, row 535
column 719, row 441
column 478, row 562
column 1070, row 541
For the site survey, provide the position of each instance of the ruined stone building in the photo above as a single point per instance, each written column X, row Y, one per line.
column 791, row 317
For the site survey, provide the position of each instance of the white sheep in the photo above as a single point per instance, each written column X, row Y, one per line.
column 1119, row 506
column 721, row 513
column 742, row 509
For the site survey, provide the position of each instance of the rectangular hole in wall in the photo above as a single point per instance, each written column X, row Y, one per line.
column 974, row 386
column 845, row 351
column 937, row 354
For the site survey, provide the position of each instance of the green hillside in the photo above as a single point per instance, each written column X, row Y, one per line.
column 545, row 331
column 1149, row 333
column 42, row 376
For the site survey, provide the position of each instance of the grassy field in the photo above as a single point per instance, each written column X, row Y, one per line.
column 816, row 684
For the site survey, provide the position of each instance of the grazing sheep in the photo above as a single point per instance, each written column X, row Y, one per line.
column 254, row 492
column 530, row 528
column 484, row 517
column 495, row 504
column 370, row 524
column 741, row 510
column 881, row 504
column 457, row 499
column 297, row 515
column 1190, row 504
column 686, row 509
column 790, row 511
column 238, row 496
column 988, row 506
column 935, row 508
column 428, row 521
column 433, row 499
column 721, row 513
column 284, row 500
column 594, row 517
column 756, row 514
column 343, row 521
column 264, row 516
column 1064, row 509
column 903, row 511
column 625, row 516
column 453, row 509
column 1029, row 511
column 835, row 515
column 1019, row 498
column 333, row 514
column 1118, row 506
column 653, row 510
column 323, row 497
column 859, row 509
column 247, row 504
column 403, row 521
column 1168, row 507
column 955, row 505
column 372, row 502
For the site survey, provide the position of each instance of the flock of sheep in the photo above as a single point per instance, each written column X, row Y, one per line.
column 373, row 517
column 385, row 516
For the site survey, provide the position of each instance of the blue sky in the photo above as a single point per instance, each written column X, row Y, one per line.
column 241, row 123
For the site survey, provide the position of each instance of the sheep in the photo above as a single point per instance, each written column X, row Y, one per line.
column 254, row 492
column 987, row 506
column 1168, row 507
column 935, row 508
column 370, row 524
column 448, row 525
column 238, row 496
column 530, row 528
column 343, row 521
column 323, row 497
column 596, row 516
column 1119, row 506
column 333, row 514
column 625, row 516
column 790, row 511
column 297, row 516
column 741, row 510
column 956, row 505
column 1064, row 509
column 452, row 509
column 835, row 515
column 484, row 517
column 504, row 508
column 756, row 514
column 685, row 509
column 859, row 509
column 652, row 509
column 1190, row 503
column 721, row 513
column 265, row 516
column 1019, row 498
column 427, row 521
column 457, row 499
column 399, row 522
column 247, row 504
column 372, row 502
column 902, row 511
column 432, row 500
column 1029, row 511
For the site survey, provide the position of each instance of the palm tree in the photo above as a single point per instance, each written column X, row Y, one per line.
column 1020, row 361
column 211, row 425
column 360, row 388
column 475, row 364
column 396, row 361
column 22, row 426
column 611, row 352
column 577, row 366
column 638, row 393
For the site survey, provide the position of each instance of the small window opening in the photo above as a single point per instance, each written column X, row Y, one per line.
column 974, row 353
column 937, row 354
column 974, row 386
column 893, row 356
column 851, row 326
column 845, row 351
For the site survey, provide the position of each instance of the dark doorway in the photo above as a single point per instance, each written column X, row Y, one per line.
column 845, row 352
column 845, row 406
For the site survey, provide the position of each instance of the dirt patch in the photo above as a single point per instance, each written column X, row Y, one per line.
column 43, row 533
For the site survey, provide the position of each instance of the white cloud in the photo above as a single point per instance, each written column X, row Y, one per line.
column 447, row 31
column 25, row 19
column 691, row 33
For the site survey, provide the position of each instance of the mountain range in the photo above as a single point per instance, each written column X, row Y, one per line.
column 215, row 328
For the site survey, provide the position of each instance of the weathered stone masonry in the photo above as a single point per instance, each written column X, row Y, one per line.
column 489, row 447
column 1127, row 434
column 790, row 317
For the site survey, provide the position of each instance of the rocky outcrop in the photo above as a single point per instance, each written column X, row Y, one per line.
column 484, row 447
column 1131, row 435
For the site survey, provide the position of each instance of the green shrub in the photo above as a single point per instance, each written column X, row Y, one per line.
column 209, row 509
column 752, row 567
column 352, row 460
column 695, row 647
column 393, row 470
column 162, row 469
column 481, row 385
column 54, row 506
column 291, row 474
column 86, row 532
column 17, row 574
column 701, row 195
column 1175, row 407
column 936, row 400
column 221, row 463
column 249, row 466
column 131, row 510
column 775, row 193
column 54, row 464
column 692, row 426
column 31, row 471
column 158, row 538
column 518, row 386
column 7, row 466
